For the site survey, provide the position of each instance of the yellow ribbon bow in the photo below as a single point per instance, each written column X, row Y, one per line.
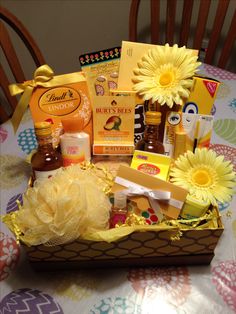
column 44, row 77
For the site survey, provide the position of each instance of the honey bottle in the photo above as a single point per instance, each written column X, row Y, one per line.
column 150, row 142
column 47, row 160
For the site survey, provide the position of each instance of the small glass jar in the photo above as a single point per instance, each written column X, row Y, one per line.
column 150, row 141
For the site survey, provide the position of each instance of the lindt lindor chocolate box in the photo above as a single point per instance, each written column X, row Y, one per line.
column 60, row 100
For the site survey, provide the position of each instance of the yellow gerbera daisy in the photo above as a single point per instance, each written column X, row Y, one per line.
column 165, row 74
column 205, row 175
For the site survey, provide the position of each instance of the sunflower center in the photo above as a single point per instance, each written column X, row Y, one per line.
column 202, row 178
column 166, row 78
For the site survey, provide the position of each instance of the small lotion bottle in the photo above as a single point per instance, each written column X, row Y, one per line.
column 74, row 143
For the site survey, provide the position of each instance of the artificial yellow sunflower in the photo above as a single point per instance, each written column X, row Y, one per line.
column 165, row 74
column 205, row 175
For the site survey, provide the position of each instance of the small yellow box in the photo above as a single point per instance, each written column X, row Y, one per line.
column 202, row 96
column 153, row 164
column 194, row 208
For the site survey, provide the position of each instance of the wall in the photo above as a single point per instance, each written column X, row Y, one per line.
column 67, row 28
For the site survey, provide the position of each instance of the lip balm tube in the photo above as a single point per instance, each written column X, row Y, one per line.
column 179, row 143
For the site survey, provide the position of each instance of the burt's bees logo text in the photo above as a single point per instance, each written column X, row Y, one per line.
column 60, row 101
column 114, row 110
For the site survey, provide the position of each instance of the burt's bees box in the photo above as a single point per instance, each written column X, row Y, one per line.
column 113, row 122
column 51, row 104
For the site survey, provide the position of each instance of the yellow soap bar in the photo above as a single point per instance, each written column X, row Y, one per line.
column 153, row 164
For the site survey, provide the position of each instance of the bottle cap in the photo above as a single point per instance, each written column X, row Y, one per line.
column 120, row 199
column 72, row 124
column 153, row 117
column 42, row 128
column 180, row 136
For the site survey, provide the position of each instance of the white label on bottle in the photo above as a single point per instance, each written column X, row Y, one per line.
column 39, row 175
column 75, row 149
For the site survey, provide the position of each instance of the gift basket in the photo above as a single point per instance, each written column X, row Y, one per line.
column 123, row 174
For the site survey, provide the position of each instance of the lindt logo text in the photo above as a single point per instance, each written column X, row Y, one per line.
column 53, row 97
column 60, row 101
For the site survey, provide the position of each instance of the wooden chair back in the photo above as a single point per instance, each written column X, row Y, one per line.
column 186, row 33
column 12, row 58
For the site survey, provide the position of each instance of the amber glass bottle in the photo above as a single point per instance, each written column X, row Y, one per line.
column 150, row 142
column 46, row 160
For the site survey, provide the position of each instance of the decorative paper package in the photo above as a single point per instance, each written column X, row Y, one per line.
column 134, row 178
